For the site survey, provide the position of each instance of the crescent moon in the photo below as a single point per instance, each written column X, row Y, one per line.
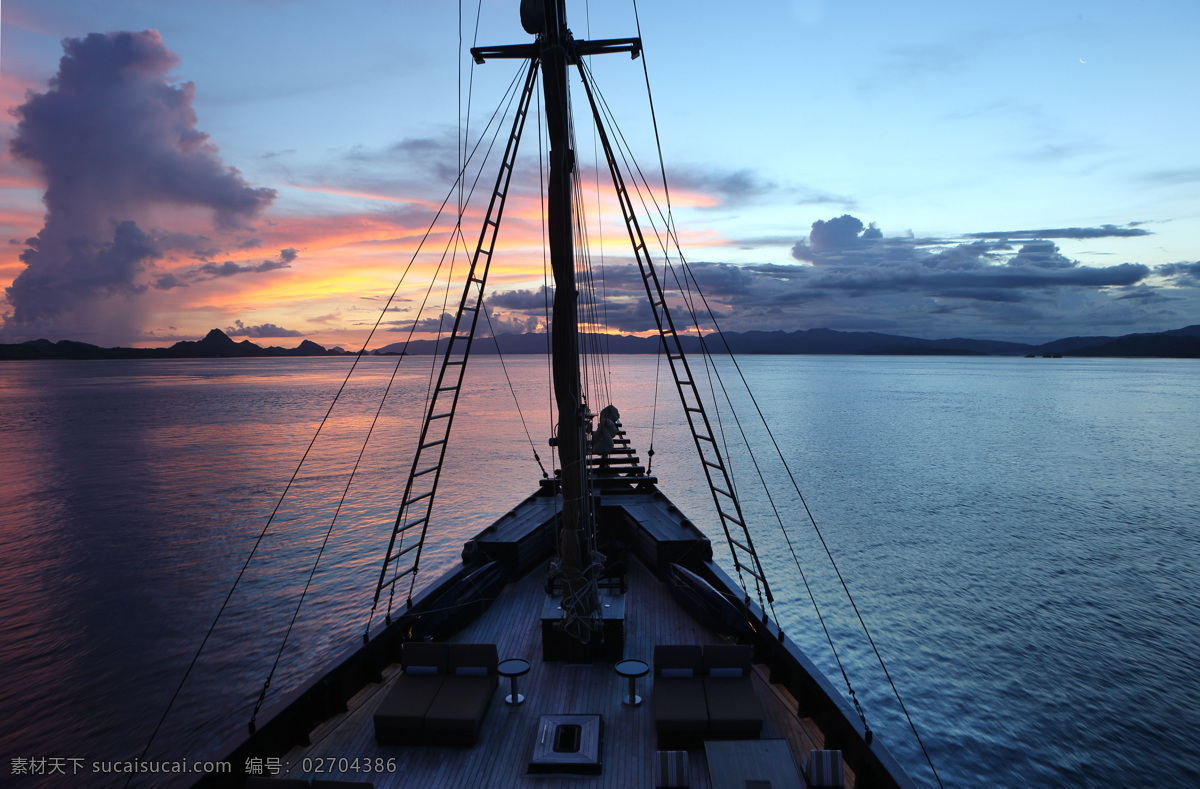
column 1081, row 60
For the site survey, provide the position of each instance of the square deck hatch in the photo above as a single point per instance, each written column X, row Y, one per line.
column 567, row 744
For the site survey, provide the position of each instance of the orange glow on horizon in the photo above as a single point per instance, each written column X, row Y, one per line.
column 347, row 263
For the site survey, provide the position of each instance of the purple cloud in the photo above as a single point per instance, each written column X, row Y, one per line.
column 239, row 329
column 112, row 138
column 181, row 278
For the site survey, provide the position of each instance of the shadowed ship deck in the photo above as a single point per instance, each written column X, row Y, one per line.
column 501, row 757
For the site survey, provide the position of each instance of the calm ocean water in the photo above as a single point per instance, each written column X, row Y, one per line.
column 1020, row 535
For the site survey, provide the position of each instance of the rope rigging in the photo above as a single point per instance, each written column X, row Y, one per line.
column 595, row 358
column 457, row 186
column 516, row 401
column 685, row 290
column 308, row 449
column 421, row 485
column 704, row 440
column 497, row 116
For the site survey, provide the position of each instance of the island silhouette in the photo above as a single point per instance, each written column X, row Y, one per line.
column 1178, row 343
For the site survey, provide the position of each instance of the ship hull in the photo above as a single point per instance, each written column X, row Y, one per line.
column 520, row 544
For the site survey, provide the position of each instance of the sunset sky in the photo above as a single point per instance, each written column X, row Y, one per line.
column 1019, row 171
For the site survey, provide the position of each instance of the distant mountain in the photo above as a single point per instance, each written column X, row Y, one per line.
column 812, row 341
column 1178, row 343
column 216, row 344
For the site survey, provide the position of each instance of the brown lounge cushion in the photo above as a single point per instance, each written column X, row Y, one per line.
column 733, row 707
column 679, row 689
column 404, row 708
column 464, row 698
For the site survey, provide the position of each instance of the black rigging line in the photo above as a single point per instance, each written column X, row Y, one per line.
column 508, row 380
column 585, row 307
column 353, row 473
column 295, row 473
column 828, row 552
column 685, row 290
column 456, row 237
column 654, row 121
column 600, row 228
column 690, row 275
column 669, row 334
column 597, row 374
column 626, row 153
column 287, row 488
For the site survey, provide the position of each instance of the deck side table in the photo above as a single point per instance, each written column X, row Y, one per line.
column 513, row 668
column 632, row 669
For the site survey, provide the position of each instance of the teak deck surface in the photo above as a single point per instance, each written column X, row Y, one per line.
column 501, row 756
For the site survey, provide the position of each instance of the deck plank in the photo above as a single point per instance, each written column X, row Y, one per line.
column 501, row 756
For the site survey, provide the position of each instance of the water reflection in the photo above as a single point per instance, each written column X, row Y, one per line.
column 1011, row 532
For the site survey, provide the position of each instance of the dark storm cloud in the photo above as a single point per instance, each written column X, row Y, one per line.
column 1104, row 231
column 1040, row 254
column 634, row 315
column 738, row 187
column 853, row 276
column 195, row 246
column 1143, row 294
column 240, row 329
column 848, row 275
column 112, row 139
column 498, row 324
column 522, row 299
column 731, row 280
column 845, row 241
column 424, row 324
column 764, row 284
column 229, row 268
column 168, row 281
column 730, row 186
column 1181, row 273
column 66, row 271
column 849, row 255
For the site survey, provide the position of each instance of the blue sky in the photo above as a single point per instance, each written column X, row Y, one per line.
column 1019, row 171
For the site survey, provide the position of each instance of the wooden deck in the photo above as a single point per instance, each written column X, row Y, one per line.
column 501, row 756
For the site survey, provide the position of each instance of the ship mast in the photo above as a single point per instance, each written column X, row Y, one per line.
column 568, row 394
column 557, row 50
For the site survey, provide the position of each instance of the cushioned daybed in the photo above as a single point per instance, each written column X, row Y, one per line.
column 680, row 712
column 734, row 710
column 441, row 696
column 704, row 693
